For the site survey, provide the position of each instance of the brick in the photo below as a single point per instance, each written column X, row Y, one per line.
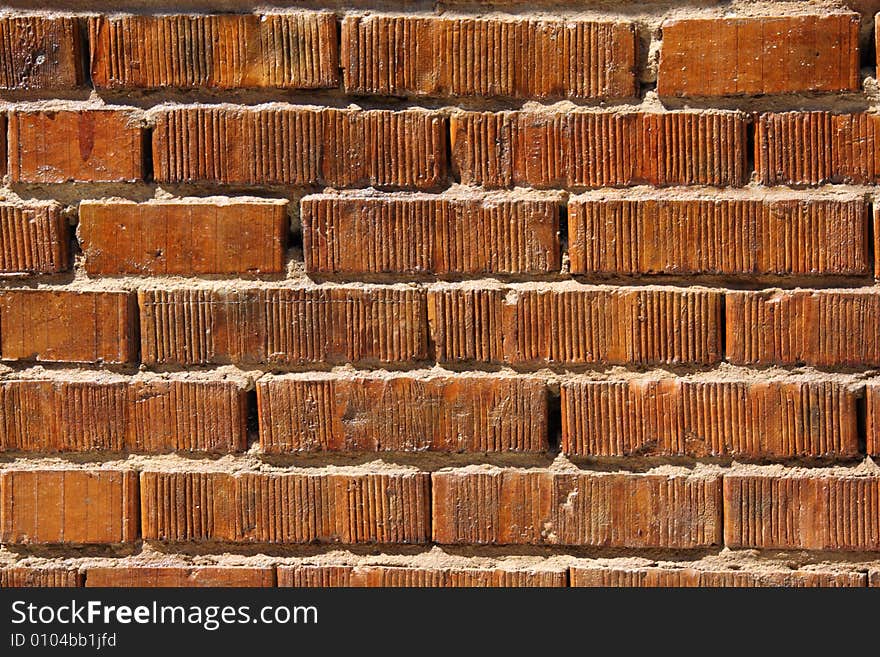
column 699, row 418
column 68, row 326
column 81, row 507
column 513, row 58
column 802, row 510
column 684, row 576
column 422, row 234
column 225, row 51
column 872, row 417
column 300, row 146
column 144, row 576
column 402, row 412
column 313, row 507
column 39, row 576
column 185, row 238
column 759, row 55
column 814, row 327
column 484, row 506
column 40, row 53
column 314, row 576
column 128, row 414
column 35, row 238
column 800, row 235
column 873, row 577
column 599, row 149
column 815, row 148
column 570, row 324
column 285, row 326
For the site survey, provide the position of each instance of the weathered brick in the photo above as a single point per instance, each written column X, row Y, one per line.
column 285, row 326
column 300, row 146
column 308, row 507
column 39, row 576
column 68, row 326
column 422, row 234
column 225, row 51
column 313, row 576
column 87, row 145
column 685, row 576
column 187, row 237
column 402, row 412
column 723, row 417
column 514, row 58
column 759, row 55
column 701, row 235
column 483, row 506
column 68, row 506
column 872, row 419
column 146, row 576
column 40, row 53
column 599, row 149
column 35, row 238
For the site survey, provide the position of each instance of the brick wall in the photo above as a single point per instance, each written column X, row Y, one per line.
column 440, row 294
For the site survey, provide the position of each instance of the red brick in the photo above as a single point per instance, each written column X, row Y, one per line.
column 145, row 576
column 190, row 237
column 39, row 53
column 422, row 234
column 225, row 51
column 402, row 412
column 88, row 145
column 317, row 506
column 68, row 506
column 723, row 417
column 684, row 576
column 300, row 146
column 669, row 235
column 68, row 326
column 514, row 58
column 39, row 576
column 759, row 55
column 36, row 238
column 483, row 506
column 599, row 149
column 313, row 576
column 285, row 326
column 872, row 422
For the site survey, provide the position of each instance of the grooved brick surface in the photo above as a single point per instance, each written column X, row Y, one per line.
column 411, row 576
column 35, row 238
column 179, row 576
column 31, row 577
column 40, row 53
column 693, row 577
column 872, row 417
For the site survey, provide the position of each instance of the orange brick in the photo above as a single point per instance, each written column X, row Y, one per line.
column 316, row 506
column 68, row 506
column 805, row 510
column 685, row 576
column 68, row 326
column 514, row 58
column 313, row 576
column 813, row 327
column 665, row 235
column 39, row 576
column 225, row 51
column 39, row 53
column 300, row 146
column 677, row 416
column 36, row 238
column 422, row 234
column 483, row 506
column 184, row 237
column 88, row 145
column 599, row 149
column 402, row 412
column 286, row 326
column 759, row 55
column 144, row 576
column 872, row 422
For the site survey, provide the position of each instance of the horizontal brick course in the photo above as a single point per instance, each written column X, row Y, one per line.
column 308, row 575
column 40, row 53
column 653, row 577
column 39, row 576
column 35, row 238
column 143, row 576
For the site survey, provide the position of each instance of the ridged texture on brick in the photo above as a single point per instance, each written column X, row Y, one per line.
column 712, row 236
column 89, row 145
column 402, row 413
column 31, row 577
column 282, row 326
column 286, row 508
column 826, row 328
column 650, row 577
column 429, row 235
column 300, row 146
column 34, row 238
column 183, row 237
column 129, row 576
column 811, row 512
column 68, row 506
column 814, row 148
column 467, row 324
column 39, row 53
column 503, row 507
column 872, row 421
column 227, row 51
column 599, row 149
column 759, row 55
column 401, row 55
column 313, row 576
column 709, row 418
column 68, row 326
